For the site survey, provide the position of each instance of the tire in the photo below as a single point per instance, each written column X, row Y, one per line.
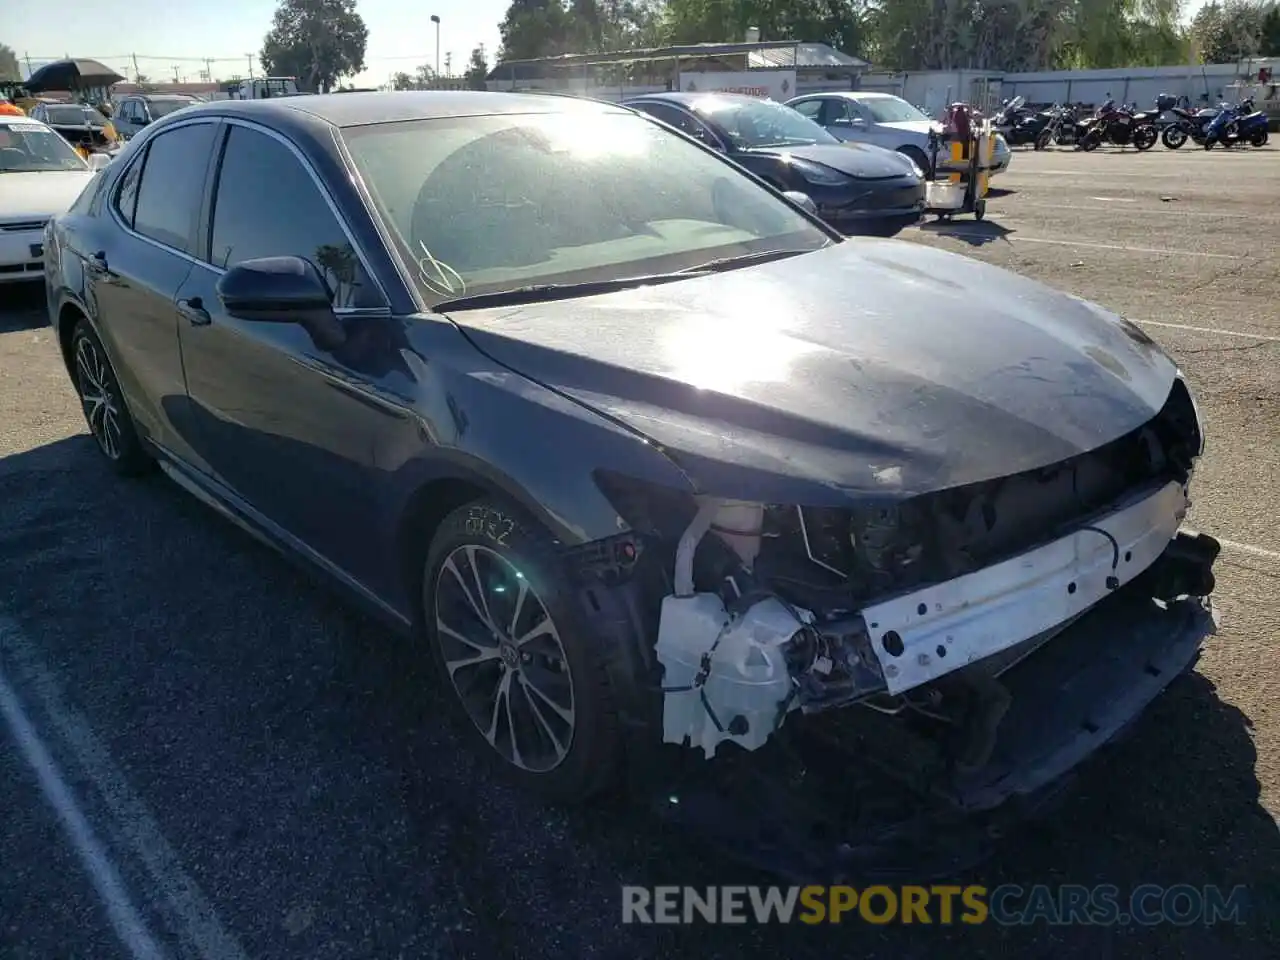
column 1091, row 141
column 1145, row 137
column 1173, row 137
column 916, row 154
column 110, row 423
column 1209, row 142
column 979, row 209
column 562, row 744
column 1260, row 138
column 1043, row 138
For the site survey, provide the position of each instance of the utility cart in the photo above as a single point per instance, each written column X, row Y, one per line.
column 962, row 186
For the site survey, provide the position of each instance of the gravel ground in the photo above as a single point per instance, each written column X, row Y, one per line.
column 262, row 776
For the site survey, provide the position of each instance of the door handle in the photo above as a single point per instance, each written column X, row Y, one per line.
column 193, row 309
column 97, row 264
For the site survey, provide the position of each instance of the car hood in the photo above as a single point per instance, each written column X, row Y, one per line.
column 870, row 367
column 44, row 193
column 861, row 160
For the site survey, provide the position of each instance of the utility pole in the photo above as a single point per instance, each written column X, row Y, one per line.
column 250, row 56
column 208, row 70
column 448, row 64
column 27, row 57
column 436, row 20
column 175, row 73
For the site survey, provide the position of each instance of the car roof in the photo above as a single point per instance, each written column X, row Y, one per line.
column 158, row 96
column 6, row 119
column 688, row 99
column 360, row 109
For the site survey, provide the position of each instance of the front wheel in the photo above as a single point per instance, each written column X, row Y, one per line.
column 1091, row 141
column 1043, row 139
column 1173, row 137
column 515, row 654
column 103, row 403
column 1145, row 137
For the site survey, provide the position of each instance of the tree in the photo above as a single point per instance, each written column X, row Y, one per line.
column 317, row 41
column 1233, row 30
column 422, row 78
column 9, row 69
column 477, row 70
column 1271, row 32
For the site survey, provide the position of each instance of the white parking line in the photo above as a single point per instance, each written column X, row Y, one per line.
column 1215, row 330
column 132, row 820
column 1249, row 549
column 1018, row 238
column 125, row 919
column 1171, row 209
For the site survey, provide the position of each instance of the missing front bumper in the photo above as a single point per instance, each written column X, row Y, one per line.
column 829, row 800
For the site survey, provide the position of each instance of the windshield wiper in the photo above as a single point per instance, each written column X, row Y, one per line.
column 541, row 292
column 742, row 260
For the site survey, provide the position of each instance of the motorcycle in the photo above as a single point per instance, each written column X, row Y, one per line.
column 1019, row 127
column 1111, row 123
column 1238, row 124
column 1187, row 125
column 1059, row 127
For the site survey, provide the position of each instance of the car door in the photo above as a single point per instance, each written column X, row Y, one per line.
column 136, row 254
column 843, row 119
column 290, row 425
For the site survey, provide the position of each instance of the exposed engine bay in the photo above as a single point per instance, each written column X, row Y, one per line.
column 917, row 614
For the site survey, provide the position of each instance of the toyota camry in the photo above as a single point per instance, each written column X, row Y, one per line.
column 666, row 474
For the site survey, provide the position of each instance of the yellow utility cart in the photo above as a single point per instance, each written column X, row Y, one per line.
column 960, row 183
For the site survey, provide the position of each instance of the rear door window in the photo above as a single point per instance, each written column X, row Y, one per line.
column 171, row 190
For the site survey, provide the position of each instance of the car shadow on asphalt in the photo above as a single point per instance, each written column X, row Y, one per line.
column 252, row 707
column 23, row 306
column 976, row 233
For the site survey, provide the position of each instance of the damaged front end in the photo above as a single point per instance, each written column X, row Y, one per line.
column 953, row 656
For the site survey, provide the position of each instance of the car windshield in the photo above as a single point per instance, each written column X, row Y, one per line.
column 891, row 110
column 490, row 204
column 29, row 148
column 73, row 115
column 162, row 108
column 761, row 123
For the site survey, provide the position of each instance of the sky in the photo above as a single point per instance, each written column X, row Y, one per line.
column 160, row 32
column 165, row 34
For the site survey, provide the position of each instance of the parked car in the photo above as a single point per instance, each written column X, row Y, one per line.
column 81, row 125
column 137, row 111
column 650, row 463
column 886, row 121
column 40, row 177
column 859, row 187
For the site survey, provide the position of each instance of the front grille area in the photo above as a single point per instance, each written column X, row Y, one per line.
column 870, row 553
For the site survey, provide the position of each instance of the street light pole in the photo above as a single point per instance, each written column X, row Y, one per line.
column 436, row 20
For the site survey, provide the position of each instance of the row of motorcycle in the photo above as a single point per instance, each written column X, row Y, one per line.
column 1125, row 125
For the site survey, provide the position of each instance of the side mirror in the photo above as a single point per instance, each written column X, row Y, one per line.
column 282, row 290
column 802, row 200
column 98, row 161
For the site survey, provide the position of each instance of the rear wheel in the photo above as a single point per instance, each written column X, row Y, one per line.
column 1145, row 137
column 1260, row 138
column 1173, row 137
column 515, row 654
column 103, row 403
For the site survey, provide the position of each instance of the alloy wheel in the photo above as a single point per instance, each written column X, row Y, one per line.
column 504, row 657
column 99, row 397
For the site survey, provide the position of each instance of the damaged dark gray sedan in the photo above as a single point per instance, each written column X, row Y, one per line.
column 680, row 487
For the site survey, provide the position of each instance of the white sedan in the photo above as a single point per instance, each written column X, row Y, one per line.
column 40, row 177
column 884, row 120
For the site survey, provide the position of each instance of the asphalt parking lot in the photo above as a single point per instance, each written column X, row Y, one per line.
column 259, row 773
